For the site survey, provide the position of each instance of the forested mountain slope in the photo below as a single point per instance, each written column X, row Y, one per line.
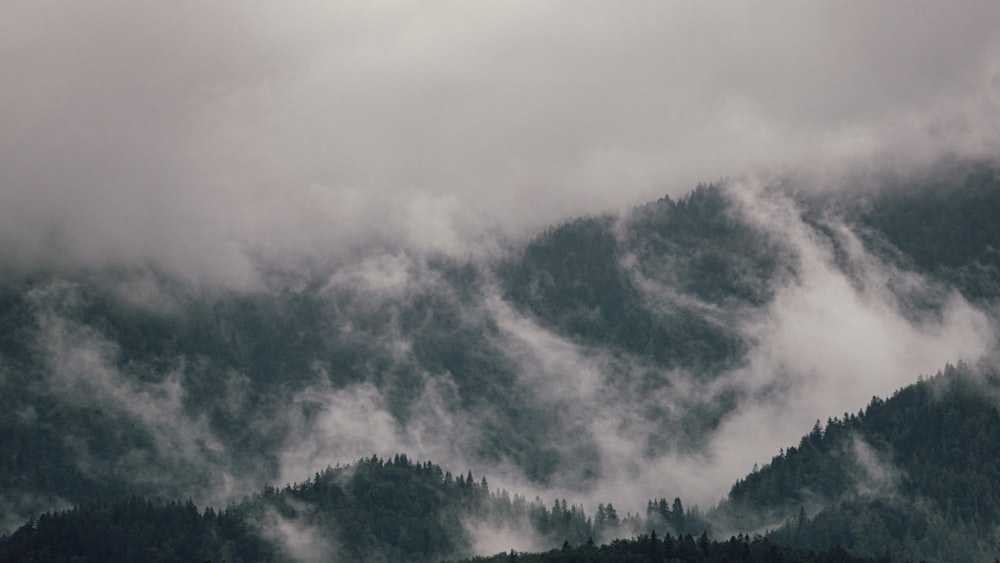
column 913, row 476
column 945, row 225
column 645, row 354
column 586, row 278
column 373, row 510
column 909, row 477
column 242, row 372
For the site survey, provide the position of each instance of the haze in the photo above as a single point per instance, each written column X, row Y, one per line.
column 205, row 139
column 227, row 144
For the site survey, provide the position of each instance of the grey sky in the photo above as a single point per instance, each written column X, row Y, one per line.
column 194, row 135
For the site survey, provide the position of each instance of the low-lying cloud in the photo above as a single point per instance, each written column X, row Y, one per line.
column 828, row 343
column 299, row 540
column 81, row 371
column 831, row 338
column 205, row 141
column 835, row 333
column 213, row 143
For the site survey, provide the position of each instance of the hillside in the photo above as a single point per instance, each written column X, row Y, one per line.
column 651, row 354
column 906, row 478
column 372, row 510
column 912, row 476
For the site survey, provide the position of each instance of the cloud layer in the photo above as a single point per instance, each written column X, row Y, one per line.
column 205, row 139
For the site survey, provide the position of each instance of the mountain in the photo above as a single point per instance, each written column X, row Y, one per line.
column 613, row 358
column 943, row 225
column 373, row 510
column 906, row 478
column 912, row 476
column 112, row 374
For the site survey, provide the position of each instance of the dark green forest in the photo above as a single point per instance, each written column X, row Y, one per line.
column 147, row 418
column 912, row 476
column 372, row 510
column 648, row 548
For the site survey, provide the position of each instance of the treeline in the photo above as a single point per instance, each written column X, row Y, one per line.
column 648, row 548
column 373, row 510
column 914, row 476
column 136, row 529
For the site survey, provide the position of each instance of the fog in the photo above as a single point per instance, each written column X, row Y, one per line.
column 299, row 541
column 207, row 140
column 82, row 372
column 190, row 146
column 828, row 343
column 835, row 334
column 830, row 340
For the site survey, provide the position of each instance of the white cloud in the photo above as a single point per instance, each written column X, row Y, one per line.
column 203, row 140
column 301, row 541
column 80, row 369
column 828, row 341
column 826, row 344
column 195, row 137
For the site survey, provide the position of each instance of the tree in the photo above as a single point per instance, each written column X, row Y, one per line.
column 677, row 519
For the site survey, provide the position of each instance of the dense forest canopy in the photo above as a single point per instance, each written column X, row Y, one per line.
column 626, row 368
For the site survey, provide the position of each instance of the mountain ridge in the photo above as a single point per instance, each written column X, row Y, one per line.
column 608, row 350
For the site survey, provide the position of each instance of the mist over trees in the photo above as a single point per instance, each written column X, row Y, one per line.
column 372, row 510
column 624, row 364
column 633, row 281
column 909, row 476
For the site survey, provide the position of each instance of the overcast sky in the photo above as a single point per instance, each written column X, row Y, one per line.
column 192, row 135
